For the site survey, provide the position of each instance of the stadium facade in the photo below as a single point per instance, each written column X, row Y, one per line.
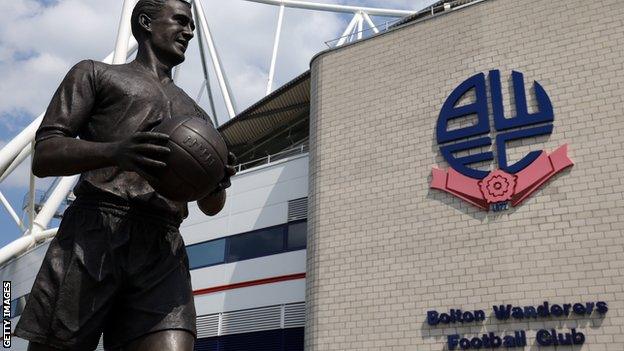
column 387, row 247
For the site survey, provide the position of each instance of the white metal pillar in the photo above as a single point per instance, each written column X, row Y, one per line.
column 360, row 25
column 31, row 198
column 370, row 23
column 347, row 32
column 17, row 144
column 176, row 73
column 11, row 212
column 336, row 8
column 206, row 83
column 52, row 204
column 124, row 33
column 280, row 18
column 225, row 91
column 16, row 162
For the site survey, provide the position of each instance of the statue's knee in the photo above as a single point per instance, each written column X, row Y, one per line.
column 166, row 340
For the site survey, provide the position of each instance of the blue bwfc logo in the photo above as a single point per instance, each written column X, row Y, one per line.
column 509, row 183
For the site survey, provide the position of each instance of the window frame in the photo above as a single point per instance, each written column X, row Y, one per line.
column 228, row 239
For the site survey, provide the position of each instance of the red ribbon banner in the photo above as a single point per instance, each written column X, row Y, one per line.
column 527, row 181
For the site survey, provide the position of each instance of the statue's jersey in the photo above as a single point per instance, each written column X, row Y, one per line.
column 104, row 103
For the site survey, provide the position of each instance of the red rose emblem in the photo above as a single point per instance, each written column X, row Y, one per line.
column 498, row 186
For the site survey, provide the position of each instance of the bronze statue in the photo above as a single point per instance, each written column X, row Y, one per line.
column 118, row 263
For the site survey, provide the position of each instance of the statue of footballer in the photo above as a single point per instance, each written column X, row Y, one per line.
column 118, row 264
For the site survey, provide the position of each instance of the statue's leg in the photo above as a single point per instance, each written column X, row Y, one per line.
column 34, row 346
column 166, row 340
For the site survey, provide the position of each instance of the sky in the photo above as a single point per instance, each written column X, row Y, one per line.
column 41, row 39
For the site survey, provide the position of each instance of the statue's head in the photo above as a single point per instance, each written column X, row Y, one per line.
column 165, row 25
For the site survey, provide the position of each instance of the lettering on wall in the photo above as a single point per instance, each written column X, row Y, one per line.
column 543, row 337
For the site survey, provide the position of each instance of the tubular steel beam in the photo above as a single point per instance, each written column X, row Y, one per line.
column 16, row 162
column 206, row 84
column 225, row 91
column 280, row 18
column 54, row 201
column 11, row 212
column 370, row 22
column 347, row 32
column 31, row 195
column 336, row 8
column 360, row 26
column 123, row 33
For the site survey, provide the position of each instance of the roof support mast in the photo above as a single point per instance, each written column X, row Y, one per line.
column 360, row 25
column 336, row 8
column 225, row 91
column 370, row 22
column 280, row 18
column 347, row 32
column 123, row 33
column 206, row 84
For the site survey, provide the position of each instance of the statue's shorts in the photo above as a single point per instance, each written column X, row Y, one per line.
column 111, row 270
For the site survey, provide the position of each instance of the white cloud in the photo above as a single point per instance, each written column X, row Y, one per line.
column 29, row 86
column 38, row 44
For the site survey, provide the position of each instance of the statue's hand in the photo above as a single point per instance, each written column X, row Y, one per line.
column 230, row 170
column 142, row 153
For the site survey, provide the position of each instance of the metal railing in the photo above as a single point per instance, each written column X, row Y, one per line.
column 360, row 34
column 355, row 32
column 297, row 150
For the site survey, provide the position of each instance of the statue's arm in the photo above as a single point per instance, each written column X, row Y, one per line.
column 62, row 156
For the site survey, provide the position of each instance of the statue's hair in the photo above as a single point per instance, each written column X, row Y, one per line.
column 149, row 7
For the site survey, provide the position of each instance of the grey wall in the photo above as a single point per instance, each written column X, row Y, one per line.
column 384, row 249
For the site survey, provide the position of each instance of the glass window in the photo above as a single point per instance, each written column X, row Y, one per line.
column 206, row 254
column 17, row 305
column 264, row 242
column 297, row 233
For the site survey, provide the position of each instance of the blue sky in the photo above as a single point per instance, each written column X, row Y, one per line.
column 41, row 39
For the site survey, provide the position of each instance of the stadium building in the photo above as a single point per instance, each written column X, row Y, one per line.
column 449, row 183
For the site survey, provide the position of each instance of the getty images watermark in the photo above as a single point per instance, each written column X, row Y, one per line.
column 6, row 314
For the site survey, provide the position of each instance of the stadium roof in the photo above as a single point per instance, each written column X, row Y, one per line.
column 268, row 117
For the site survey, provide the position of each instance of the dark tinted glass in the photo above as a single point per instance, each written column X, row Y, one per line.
column 290, row 339
column 297, row 233
column 206, row 254
column 256, row 244
column 17, row 305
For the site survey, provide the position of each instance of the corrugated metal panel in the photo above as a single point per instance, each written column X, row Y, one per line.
column 208, row 325
column 298, row 209
column 251, row 320
column 245, row 321
column 294, row 315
